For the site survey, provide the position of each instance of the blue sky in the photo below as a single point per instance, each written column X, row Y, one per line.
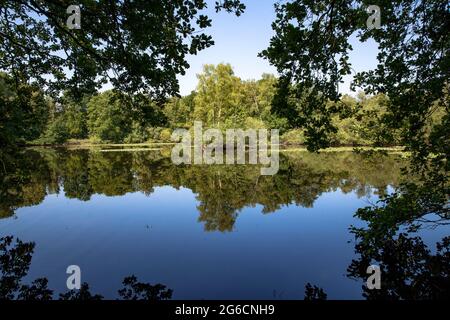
column 238, row 40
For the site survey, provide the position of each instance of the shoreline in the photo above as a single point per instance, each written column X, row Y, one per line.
column 284, row 147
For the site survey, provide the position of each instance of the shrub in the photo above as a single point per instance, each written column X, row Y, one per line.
column 56, row 133
column 165, row 135
column 294, row 136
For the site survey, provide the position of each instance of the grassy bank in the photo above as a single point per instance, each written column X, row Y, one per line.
column 146, row 146
column 87, row 143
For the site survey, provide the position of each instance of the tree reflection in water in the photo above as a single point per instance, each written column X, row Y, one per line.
column 410, row 269
column 222, row 191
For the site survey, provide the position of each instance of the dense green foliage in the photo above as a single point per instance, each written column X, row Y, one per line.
column 311, row 49
column 220, row 100
column 23, row 111
column 114, row 41
column 108, row 119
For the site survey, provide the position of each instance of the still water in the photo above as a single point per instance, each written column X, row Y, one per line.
column 206, row 232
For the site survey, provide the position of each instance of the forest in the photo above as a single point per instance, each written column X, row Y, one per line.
column 221, row 100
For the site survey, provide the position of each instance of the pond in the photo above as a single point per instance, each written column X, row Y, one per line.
column 204, row 231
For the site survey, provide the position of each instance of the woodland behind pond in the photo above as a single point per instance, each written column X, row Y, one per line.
column 221, row 100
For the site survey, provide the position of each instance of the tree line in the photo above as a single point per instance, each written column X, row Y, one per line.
column 221, row 100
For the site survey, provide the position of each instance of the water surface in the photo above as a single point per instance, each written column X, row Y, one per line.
column 207, row 232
